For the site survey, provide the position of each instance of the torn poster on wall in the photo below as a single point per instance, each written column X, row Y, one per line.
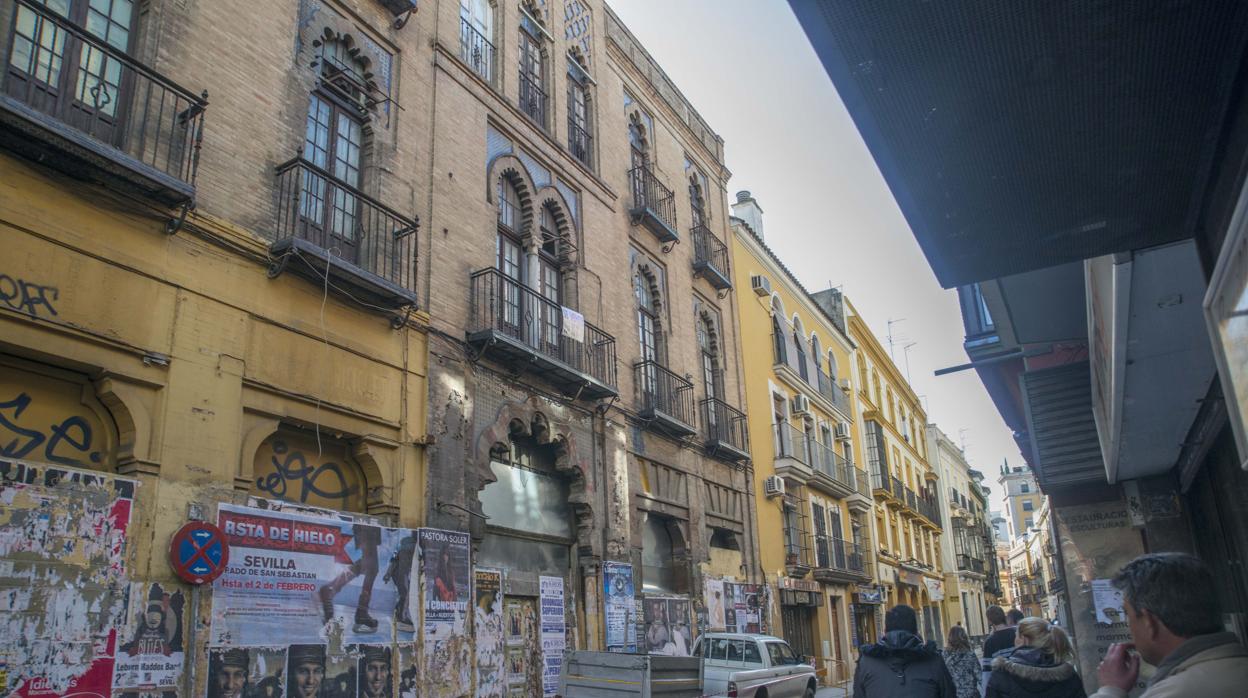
column 445, row 556
column 488, row 626
column 151, row 653
column 63, row 585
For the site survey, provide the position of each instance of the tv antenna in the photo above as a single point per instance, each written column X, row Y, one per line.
column 892, row 341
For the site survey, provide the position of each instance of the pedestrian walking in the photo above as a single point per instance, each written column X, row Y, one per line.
column 1175, row 620
column 900, row 665
column 961, row 662
column 1038, row 667
column 1000, row 638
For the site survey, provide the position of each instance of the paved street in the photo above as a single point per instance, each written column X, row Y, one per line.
column 831, row 693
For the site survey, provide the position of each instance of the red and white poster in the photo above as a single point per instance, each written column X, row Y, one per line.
column 63, row 585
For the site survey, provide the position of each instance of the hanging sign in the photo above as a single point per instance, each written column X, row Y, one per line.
column 199, row 552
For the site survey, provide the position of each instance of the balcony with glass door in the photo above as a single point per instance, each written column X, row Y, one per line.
column 790, row 448
column 75, row 100
column 710, row 257
column 725, row 430
column 833, row 473
column 664, row 399
column 327, row 227
column 838, row 561
column 653, row 205
column 511, row 321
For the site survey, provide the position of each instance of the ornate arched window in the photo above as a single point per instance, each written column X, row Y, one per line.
column 777, row 332
column 530, row 525
column 815, row 353
column 799, row 346
column 338, row 109
column 649, row 326
column 708, row 346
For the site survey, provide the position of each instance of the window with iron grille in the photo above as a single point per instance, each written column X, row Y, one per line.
column 532, row 71
column 580, row 132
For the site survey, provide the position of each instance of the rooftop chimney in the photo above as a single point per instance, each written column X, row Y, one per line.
column 748, row 210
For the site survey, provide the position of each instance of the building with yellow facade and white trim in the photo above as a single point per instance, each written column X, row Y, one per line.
column 892, row 422
column 813, row 499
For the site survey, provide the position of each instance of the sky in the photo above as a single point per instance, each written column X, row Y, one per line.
column 749, row 70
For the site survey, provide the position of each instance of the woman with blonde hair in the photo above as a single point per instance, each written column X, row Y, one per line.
column 1038, row 667
column 962, row 664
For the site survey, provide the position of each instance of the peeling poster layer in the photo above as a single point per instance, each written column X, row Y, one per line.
column 63, row 585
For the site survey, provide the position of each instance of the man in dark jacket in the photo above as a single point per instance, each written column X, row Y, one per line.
column 900, row 665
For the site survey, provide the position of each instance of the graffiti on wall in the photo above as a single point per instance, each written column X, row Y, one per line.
column 67, row 530
column 45, row 419
column 28, row 297
column 295, row 468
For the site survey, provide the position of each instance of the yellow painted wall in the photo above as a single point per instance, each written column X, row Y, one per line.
column 183, row 358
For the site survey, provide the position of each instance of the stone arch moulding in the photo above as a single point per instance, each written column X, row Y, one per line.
column 378, row 458
column 564, row 224
column 130, row 407
column 510, row 166
column 529, row 418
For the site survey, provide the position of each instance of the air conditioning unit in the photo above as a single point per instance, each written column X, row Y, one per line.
column 761, row 285
column 842, row 431
column 801, row 404
column 773, row 486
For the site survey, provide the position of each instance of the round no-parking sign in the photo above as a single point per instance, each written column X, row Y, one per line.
column 199, row 552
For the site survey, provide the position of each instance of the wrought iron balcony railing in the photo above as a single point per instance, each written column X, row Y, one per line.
column 833, row 553
column 899, row 490
column 322, row 218
column 524, row 325
column 710, row 257
column 653, row 205
column 476, row 50
column 664, row 397
column 532, row 99
column 78, row 103
column 725, row 428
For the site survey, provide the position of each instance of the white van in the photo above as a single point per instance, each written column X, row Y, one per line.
column 741, row 665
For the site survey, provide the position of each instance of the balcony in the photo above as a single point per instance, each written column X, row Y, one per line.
column 727, row 434
column 710, row 257
column 968, row 563
column 664, row 399
column 834, row 393
column 791, row 456
column 327, row 227
column 79, row 105
column 839, row 561
column 522, row 326
column 833, row 472
column 476, row 50
column 1056, row 585
column 882, row 485
column 653, row 205
column 533, row 99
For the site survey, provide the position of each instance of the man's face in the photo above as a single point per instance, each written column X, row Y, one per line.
column 1141, row 627
column 308, row 678
column 152, row 619
column 376, row 677
column 230, row 681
